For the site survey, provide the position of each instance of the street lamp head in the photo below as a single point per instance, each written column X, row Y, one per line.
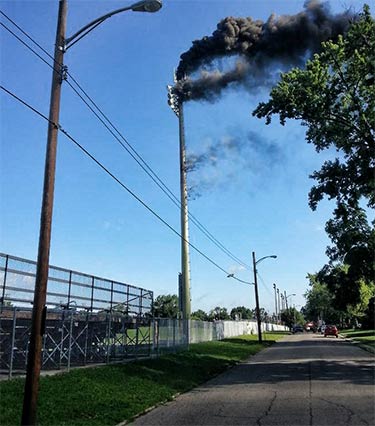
column 146, row 6
column 272, row 256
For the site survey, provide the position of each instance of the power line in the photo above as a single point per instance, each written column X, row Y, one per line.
column 116, row 179
column 25, row 44
column 264, row 285
column 131, row 151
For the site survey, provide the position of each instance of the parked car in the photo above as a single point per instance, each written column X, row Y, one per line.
column 331, row 330
column 297, row 328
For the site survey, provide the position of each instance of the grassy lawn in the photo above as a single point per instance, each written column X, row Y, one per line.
column 364, row 337
column 109, row 394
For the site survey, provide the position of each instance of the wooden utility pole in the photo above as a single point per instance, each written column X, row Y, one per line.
column 39, row 305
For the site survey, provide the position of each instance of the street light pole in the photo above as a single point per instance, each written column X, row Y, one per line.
column 278, row 300
column 39, row 312
column 257, row 310
column 39, row 306
column 185, row 270
column 287, row 297
column 274, row 288
column 177, row 107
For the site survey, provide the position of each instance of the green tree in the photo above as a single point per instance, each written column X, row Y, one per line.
column 218, row 313
column 240, row 312
column 199, row 315
column 359, row 310
column 319, row 302
column 368, row 321
column 348, row 229
column 166, row 306
column 334, row 97
column 264, row 317
column 291, row 316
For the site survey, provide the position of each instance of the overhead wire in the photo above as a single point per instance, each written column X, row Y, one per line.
column 264, row 284
column 133, row 153
column 115, row 178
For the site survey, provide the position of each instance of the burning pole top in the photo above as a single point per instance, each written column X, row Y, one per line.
column 173, row 100
column 174, row 97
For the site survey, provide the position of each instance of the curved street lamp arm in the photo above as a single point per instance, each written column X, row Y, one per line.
column 273, row 256
column 140, row 6
column 90, row 26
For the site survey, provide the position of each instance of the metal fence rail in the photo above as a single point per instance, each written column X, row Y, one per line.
column 92, row 320
column 70, row 289
column 73, row 338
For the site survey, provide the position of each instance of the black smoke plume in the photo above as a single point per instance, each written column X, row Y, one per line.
column 284, row 39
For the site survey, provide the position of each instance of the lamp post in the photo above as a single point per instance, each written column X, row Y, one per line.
column 278, row 303
column 274, row 288
column 286, row 298
column 257, row 310
column 177, row 107
column 39, row 305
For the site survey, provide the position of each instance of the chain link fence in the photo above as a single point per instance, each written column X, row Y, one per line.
column 92, row 320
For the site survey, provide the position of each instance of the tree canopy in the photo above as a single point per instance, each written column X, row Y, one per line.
column 218, row 313
column 199, row 315
column 166, row 306
column 334, row 97
column 291, row 316
column 240, row 312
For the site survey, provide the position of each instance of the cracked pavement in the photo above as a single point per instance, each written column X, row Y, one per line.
column 304, row 379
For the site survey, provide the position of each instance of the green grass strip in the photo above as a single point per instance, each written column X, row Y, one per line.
column 365, row 338
column 110, row 394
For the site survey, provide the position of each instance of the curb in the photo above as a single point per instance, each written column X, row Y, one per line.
column 363, row 346
column 126, row 422
column 173, row 397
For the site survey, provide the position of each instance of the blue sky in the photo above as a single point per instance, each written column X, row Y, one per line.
column 252, row 198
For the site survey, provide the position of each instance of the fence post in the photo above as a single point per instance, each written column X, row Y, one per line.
column 62, row 338
column 12, row 343
column 108, row 336
column 86, row 338
column 4, row 281
column 153, row 336
column 92, row 293
column 157, row 337
column 149, row 338
column 174, row 335
column 70, row 287
column 70, row 339
column 136, row 338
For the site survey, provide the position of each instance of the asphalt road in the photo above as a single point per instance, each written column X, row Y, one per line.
column 304, row 379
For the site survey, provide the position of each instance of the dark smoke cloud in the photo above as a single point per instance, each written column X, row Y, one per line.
column 218, row 165
column 284, row 39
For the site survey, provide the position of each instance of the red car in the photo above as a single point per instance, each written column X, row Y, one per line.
column 331, row 330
